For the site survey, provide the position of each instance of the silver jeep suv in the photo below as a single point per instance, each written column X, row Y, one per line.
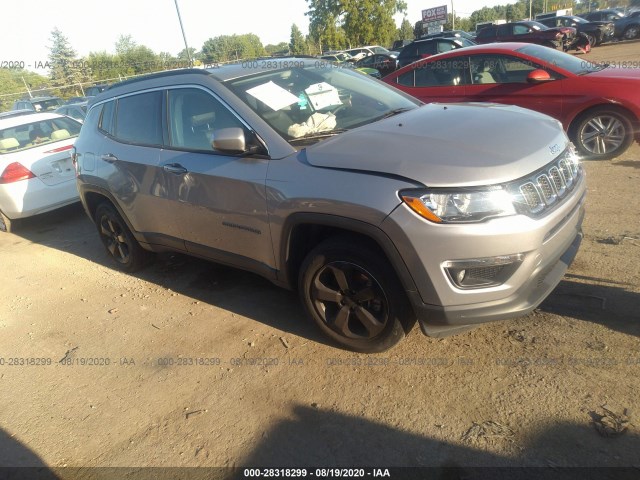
column 379, row 210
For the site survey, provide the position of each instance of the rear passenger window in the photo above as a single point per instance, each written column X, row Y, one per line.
column 139, row 119
column 406, row 79
column 194, row 117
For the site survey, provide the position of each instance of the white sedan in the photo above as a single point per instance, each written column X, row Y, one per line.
column 36, row 171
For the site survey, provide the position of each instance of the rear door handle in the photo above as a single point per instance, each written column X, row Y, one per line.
column 109, row 158
column 175, row 168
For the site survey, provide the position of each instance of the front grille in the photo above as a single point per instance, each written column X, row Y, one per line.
column 543, row 190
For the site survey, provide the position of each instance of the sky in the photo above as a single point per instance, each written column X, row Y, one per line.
column 95, row 26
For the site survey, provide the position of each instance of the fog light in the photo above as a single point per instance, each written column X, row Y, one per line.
column 482, row 272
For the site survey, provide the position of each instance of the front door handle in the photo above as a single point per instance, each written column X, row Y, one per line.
column 175, row 168
column 109, row 158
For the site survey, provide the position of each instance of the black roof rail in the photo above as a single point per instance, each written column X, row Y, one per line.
column 168, row 73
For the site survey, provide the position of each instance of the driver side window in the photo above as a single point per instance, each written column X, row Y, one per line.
column 194, row 116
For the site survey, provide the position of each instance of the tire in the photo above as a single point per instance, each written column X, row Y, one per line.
column 354, row 296
column 602, row 133
column 550, row 45
column 631, row 32
column 593, row 40
column 118, row 240
column 6, row 224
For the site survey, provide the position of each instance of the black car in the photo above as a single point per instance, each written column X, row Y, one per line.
column 626, row 28
column 450, row 34
column 38, row 104
column 429, row 46
column 95, row 90
column 598, row 32
column 77, row 111
column 385, row 64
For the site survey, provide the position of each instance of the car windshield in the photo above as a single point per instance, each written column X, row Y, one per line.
column 380, row 50
column 464, row 42
column 319, row 100
column 30, row 135
column 562, row 60
column 45, row 105
column 537, row 26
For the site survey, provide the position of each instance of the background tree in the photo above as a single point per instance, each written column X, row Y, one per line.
column 226, row 48
column 362, row 21
column 281, row 48
column 11, row 82
column 297, row 44
column 66, row 70
column 183, row 58
column 405, row 32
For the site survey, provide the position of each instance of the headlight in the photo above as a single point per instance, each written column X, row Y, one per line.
column 444, row 205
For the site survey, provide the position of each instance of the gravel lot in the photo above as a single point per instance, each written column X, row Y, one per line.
column 192, row 364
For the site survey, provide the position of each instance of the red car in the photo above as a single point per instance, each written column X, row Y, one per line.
column 598, row 105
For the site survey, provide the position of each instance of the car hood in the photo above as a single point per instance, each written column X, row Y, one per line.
column 443, row 145
column 617, row 73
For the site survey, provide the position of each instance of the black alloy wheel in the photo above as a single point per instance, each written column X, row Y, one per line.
column 118, row 239
column 354, row 296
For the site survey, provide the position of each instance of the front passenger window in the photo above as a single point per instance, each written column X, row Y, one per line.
column 194, row 116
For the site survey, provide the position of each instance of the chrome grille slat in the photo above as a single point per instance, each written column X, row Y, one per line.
column 547, row 187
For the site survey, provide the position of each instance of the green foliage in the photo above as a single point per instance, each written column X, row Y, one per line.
column 66, row 71
column 405, row 32
column 281, row 48
column 12, row 86
column 297, row 44
column 350, row 23
column 226, row 48
column 183, row 58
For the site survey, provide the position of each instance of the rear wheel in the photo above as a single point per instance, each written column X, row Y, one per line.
column 354, row 296
column 6, row 224
column 602, row 133
column 631, row 32
column 120, row 243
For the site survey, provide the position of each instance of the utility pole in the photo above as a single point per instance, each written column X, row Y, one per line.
column 453, row 17
column 183, row 35
column 27, row 87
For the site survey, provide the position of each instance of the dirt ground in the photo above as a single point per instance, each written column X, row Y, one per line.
column 192, row 364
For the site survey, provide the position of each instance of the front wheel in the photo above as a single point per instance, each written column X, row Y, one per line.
column 602, row 133
column 354, row 296
column 593, row 40
column 120, row 243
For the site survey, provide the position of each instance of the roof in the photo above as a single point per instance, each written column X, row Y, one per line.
column 37, row 99
column 26, row 119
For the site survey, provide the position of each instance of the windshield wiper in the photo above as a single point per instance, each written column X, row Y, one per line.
column 318, row 135
column 393, row 112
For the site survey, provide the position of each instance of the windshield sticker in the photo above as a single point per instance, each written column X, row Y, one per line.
column 322, row 95
column 274, row 96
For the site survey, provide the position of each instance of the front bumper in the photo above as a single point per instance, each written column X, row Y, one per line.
column 438, row 321
column 548, row 244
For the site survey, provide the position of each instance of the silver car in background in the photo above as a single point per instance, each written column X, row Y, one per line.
column 379, row 210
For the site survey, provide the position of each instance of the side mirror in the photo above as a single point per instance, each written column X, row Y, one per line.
column 538, row 76
column 229, row 140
